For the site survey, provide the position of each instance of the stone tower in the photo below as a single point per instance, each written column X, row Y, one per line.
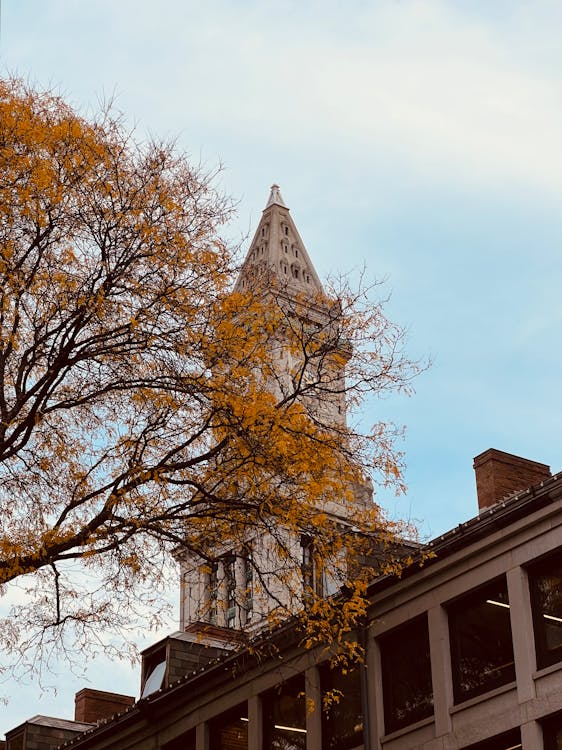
column 278, row 258
column 222, row 594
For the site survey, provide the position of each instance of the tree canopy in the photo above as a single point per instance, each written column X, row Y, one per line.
column 137, row 413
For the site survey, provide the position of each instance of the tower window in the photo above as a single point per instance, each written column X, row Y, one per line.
column 230, row 576
column 213, row 592
column 296, row 252
column 312, row 577
column 249, row 585
column 286, row 231
column 263, row 231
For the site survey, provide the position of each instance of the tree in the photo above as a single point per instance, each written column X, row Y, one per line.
column 137, row 415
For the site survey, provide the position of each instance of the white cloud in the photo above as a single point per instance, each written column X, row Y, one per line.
column 437, row 89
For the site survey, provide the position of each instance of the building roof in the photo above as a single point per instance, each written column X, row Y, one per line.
column 54, row 723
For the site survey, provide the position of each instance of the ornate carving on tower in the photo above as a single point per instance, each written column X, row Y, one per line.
column 277, row 248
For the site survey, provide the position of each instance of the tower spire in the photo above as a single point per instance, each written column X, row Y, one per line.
column 277, row 248
column 275, row 197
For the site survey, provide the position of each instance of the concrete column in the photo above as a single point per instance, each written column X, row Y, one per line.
column 376, row 707
column 314, row 716
column 531, row 736
column 441, row 675
column 522, row 632
column 202, row 736
column 255, row 725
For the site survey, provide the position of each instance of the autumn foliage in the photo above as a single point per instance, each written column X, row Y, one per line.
column 137, row 412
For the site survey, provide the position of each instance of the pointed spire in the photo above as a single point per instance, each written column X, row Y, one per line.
column 275, row 197
column 277, row 248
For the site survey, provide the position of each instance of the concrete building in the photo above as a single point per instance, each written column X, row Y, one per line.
column 464, row 651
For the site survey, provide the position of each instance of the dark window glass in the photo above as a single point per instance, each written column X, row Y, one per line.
column 552, row 731
column 507, row 741
column 229, row 731
column 342, row 720
column 481, row 645
column 184, row 742
column 545, row 581
column 406, row 675
column 284, row 716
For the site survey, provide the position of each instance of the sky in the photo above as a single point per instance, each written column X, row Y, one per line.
column 419, row 139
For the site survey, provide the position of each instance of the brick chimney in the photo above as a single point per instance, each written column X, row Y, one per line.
column 93, row 705
column 500, row 474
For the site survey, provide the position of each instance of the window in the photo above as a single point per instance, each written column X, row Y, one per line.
column 312, row 578
column 406, row 675
column 481, row 645
column 507, row 741
column 249, row 585
column 213, row 590
column 230, row 577
column 185, row 741
column 342, row 721
column 284, row 716
column 155, row 671
column 286, row 231
column 545, row 583
column 552, row 733
column 229, row 731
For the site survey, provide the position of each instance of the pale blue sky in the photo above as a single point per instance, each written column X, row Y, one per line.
column 422, row 139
